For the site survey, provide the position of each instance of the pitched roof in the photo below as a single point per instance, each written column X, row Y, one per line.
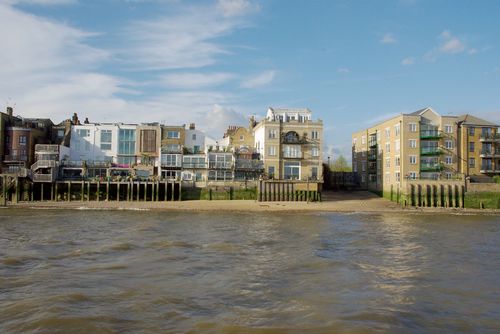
column 473, row 120
column 421, row 111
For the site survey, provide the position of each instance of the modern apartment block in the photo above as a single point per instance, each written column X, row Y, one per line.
column 419, row 145
column 290, row 143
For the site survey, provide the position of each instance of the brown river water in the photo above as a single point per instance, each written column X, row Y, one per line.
column 165, row 272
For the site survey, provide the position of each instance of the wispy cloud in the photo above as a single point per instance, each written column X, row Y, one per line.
column 448, row 44
column 388, row 39
column 40, row 2
column 258, row 80
column 408, row 61
column 195, row 80
column 236, row 7
column 343, row 70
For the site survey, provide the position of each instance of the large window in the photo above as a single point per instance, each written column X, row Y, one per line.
column 171, row 148
column 193, row 161
column 270, row 171
column 273, row 133
column 314, row 173
column 148, row 141
column 315, row 151
column 220, row 175
column 126, row 142
column 126, row 160
column 220, row 160
column 272, row 150
column 83, row 132
column 173, row 134
column 292, row 170
column 171, row 160
column 106, row 139
column 292, row 151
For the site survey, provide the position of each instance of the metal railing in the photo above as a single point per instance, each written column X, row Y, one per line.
column 430, row 151
column 15, row 157
column 427, row 167
column 425, row 134
column 489, row 136
column 47, row 148
column 220, row 165
column 249, row 164
column 44, row 164
column 194, row 165
column 43, row 177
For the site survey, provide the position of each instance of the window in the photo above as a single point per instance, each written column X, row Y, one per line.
column 354, row 141
column 292, row 170
column 387, row 147
column 173, row 134
column 413, row 159
column 7, row 139
column 60, row 133
column 448, row 129
column 413, row 175
column 448, row 144
column 272, row 150
column 192, row 161
column 449, row 175
column 387, row 162
column 196, row 149
column 193, row 136
column 387, row 133
column 448, row 160
column 126, row 160
column 413, row 143
column 378, row 135
column 148, row 141
column 363, row 178
column 387, row 177
column 83, row 132
column 292, row 151
column 315, row 151
column 413, row 127
column 171, row 160
column 315, row 135
column 355, row 168
column 472, row 131
column 472, row 162
column 363, row 140
column 220, row 160
column 105, row 139
column 397, row 162
column 22, row 140
column 242, row 138
column 273, row 133
column 126, row 141
column 270, row 171
column 314, row 173
column 363, row 154
column 398, row 177
column 363, row 166
column 397, row 146
column 471, row 145
column 397, row 129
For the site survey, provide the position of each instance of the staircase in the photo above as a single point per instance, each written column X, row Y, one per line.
column 37, row 175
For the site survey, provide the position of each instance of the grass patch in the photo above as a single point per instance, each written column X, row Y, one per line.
column 486, row 200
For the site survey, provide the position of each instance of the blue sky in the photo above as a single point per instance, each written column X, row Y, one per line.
column 215, row 63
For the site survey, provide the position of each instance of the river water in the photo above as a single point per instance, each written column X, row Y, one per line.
column 163, row 272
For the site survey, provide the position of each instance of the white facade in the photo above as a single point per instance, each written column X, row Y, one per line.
column 94, row 142
column 194, row 140
column 288, row 114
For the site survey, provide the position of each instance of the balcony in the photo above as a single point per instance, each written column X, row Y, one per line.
column 43, row 178
column 430, row 134
column 15, row 158
column 372, row 144
column 220, row 165
column 46, row 148
column 431, row 167
column 489, row 137
column 489, row 169
column 249, row 164
column 430, row 151
column 194, row 165
column 490, row 153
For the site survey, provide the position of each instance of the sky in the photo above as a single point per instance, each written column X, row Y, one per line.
column 218, row 62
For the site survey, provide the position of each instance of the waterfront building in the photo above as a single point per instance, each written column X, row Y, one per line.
column 418, row 145
column 148, row 148
column 290, row 143
column 172, row 145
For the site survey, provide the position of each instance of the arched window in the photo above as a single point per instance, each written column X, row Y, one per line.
column 291, row 137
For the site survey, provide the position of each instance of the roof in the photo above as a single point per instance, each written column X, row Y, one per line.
column 420, row 112
column 473, row 120
column 289, row 110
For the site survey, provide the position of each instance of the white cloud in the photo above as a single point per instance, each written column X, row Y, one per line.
column 388, row 39
column 236, row 7
column 195, row 80
column 219, row 118
column 408, row 61
column 343, row 70
column 448, row 44
column 261, row 79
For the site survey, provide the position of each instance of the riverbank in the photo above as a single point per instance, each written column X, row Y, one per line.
column 358, row 201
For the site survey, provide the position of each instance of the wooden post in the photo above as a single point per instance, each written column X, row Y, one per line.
column 56, row 191
column 118, row 191
column 166, row 190
column 145, row 191
column 173, row 191
column 97, row 192
column 180, row 191
column 69, row 191
column 4, row 190
column 82, row 191
column 88, row 191
column 41, row 191
column 107, row 191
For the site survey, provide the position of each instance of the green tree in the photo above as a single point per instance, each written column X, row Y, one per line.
column 340, row 165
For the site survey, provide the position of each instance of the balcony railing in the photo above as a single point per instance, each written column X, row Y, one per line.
column 292, row 155
column 430, row 151
column 194, row 165
column 431, row 167
column 249, row 164
column 15, row 157
column 372, row 157
column 47, row 148
column 43, row 164
column 220, row 165
column 43, row 177
column 490, row 137
column 171, row 164
column 430, row 134
column 490, row 153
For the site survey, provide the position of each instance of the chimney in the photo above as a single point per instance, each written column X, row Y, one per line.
column 10, row 111
column 74, row 119
column 191, row 126
column 251, row 123
column 86, row 121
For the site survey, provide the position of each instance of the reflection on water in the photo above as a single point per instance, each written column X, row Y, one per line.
column 135, row 272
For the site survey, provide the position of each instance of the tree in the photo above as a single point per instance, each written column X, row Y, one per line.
column 340, row 165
